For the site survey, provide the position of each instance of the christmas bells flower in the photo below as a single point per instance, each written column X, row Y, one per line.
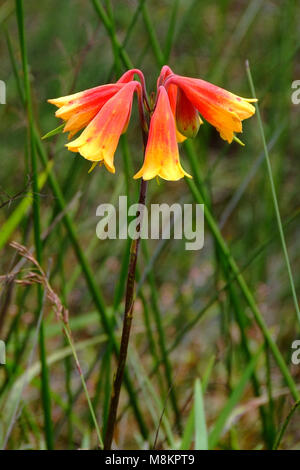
column 161, row 154
column 221, row 108
column 98, row 142
column 104, row 112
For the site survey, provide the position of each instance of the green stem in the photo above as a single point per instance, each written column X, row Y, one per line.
column 152, row 36
column 117, row 47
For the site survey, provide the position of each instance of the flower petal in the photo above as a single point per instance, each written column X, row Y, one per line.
column 172, row 94
column 187, row 116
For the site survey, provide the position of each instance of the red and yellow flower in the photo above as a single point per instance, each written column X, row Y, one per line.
column 80, row 108
column 104, row 112
column 224, row 110
column 99, row 141
column 161, row 154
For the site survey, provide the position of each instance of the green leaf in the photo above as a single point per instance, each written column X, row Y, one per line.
column 55, row 131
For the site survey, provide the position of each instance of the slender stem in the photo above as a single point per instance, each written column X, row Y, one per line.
column 127, row 321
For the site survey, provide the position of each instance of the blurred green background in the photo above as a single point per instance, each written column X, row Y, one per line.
column 69, row 49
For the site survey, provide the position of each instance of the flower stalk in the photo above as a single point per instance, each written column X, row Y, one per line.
column 127, row 321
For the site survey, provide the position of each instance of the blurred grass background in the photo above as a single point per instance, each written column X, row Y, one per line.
column 187, row 326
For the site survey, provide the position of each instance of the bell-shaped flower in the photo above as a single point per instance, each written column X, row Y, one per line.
column 161, row 155
column 221, row 108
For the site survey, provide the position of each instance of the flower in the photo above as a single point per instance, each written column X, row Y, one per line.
column 98, row 142
column 221, row 108
column 104, row 111
column 161, row 154
column 80, row 108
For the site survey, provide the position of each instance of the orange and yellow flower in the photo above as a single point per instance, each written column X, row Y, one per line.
column 161, row 155
column 104, row 112
column 224, row 110
column 80, row 108
column 98, row 142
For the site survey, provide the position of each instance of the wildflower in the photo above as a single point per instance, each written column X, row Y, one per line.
column 80, row 108
column 98, row 142
column 224, row 110
column 161, row 155
column 104, row 111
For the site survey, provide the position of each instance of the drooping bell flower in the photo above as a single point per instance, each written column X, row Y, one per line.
column 186, row 115
column 161, row 154
column 104, row 112
column 224, row 110
column 99, row 141
column 104, row 124
column 79, row 109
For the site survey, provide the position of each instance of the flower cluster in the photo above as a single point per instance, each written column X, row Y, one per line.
column 104, row 112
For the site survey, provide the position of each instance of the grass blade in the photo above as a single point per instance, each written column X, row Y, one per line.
column 201, row 439
column 285, row 425
column 236, row 395
column 274, row 196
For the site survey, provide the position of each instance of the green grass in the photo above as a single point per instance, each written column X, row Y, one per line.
column 227, row 314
